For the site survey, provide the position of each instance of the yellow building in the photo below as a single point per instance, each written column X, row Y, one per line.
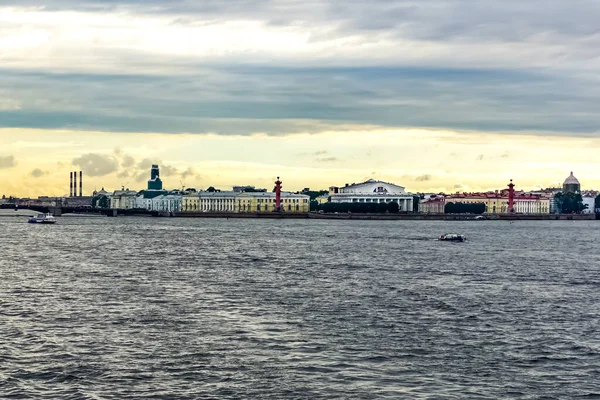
column 265, row 202
column 220, row 201
column 229, row 201
column 190, row 202
column 497, row 202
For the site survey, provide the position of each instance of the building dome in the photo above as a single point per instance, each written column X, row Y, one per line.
column 571, row 185
column 571, row 180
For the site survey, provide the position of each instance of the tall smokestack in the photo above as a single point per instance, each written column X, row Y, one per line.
column 80, row 183
column 74, row 184
column 71, row 184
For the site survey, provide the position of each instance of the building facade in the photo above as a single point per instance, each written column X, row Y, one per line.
column 190, row 202
column 372, row 191
column 123, row 199
column 589, row 200
column 497, row 202
column 217, row 201
column 266, row 202
column 432, row 205
column 160, row 203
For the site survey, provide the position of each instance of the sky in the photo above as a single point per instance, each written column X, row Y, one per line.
column 433, row 95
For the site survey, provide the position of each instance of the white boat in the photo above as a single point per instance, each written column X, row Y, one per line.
column 42, row 219
column 453, row 237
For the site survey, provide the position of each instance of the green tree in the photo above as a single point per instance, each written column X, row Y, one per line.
column 314, row 205
column 100, row 202
column 313, row 194
column 416, row 202
column 393, row 207
column 569, row 203
column 211, row 189
column 464, row 208
column 597, row 203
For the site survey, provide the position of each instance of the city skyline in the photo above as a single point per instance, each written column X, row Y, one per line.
column 434, row 96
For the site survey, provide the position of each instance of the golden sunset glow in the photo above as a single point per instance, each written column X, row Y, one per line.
column 421, row 160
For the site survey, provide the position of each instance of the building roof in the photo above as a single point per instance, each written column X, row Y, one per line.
column 571, row 180
column 272, row 194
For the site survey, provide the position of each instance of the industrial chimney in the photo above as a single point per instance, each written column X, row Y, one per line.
column 71, row 184
column 74, row 184
column 80, row 183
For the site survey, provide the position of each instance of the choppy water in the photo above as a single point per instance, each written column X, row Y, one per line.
column 139, row 308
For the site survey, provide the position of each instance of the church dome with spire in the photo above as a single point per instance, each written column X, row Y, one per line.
column 571, row 185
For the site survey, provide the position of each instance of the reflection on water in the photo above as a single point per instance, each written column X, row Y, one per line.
column 130, row 308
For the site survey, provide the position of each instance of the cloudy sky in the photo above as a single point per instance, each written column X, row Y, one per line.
column 430, row 94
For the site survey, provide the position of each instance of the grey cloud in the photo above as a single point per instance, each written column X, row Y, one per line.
column 93, row 164
column 188, row 173
column 469, row 89
column 279, row 101
column 423, row 178
column 123, row 174
column 142, row 176
column 168, row 170
column 38, row 173
column 7, row 162
column 327, row 159
column 146, row 164
column 127, row 161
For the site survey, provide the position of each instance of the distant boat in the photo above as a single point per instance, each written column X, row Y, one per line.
column 453, row 237
column 479, row 217
column 42, row 219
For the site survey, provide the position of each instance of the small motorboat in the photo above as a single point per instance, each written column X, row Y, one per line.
column 453, row 237
column 42, row 219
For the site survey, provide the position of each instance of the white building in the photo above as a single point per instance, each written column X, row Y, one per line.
column 372, row 191
column 589, row 199
column 217, row 201
column 123, row 199
column 162, row 202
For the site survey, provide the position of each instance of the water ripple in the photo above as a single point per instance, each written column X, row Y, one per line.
column 141, row 308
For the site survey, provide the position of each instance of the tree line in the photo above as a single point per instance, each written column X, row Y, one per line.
column 359, row 208
column 570, row 203
column 464, row 208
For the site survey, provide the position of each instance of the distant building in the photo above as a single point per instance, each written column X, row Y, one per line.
column 434, row 204
column 571, row 185
column 217, row 201
column 123, row 199
column 162, row 202
column 372, row 191
column 589, row 199
column 190, row 201
column 266, row 202
column 236, row 202
column 497, row 202
column 240, row 189
column 323, row 199
column 155, row 183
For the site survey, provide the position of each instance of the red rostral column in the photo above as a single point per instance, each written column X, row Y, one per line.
column 511, row 197
column 277, row 195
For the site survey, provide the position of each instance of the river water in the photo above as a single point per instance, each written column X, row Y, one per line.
column 143, row 308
